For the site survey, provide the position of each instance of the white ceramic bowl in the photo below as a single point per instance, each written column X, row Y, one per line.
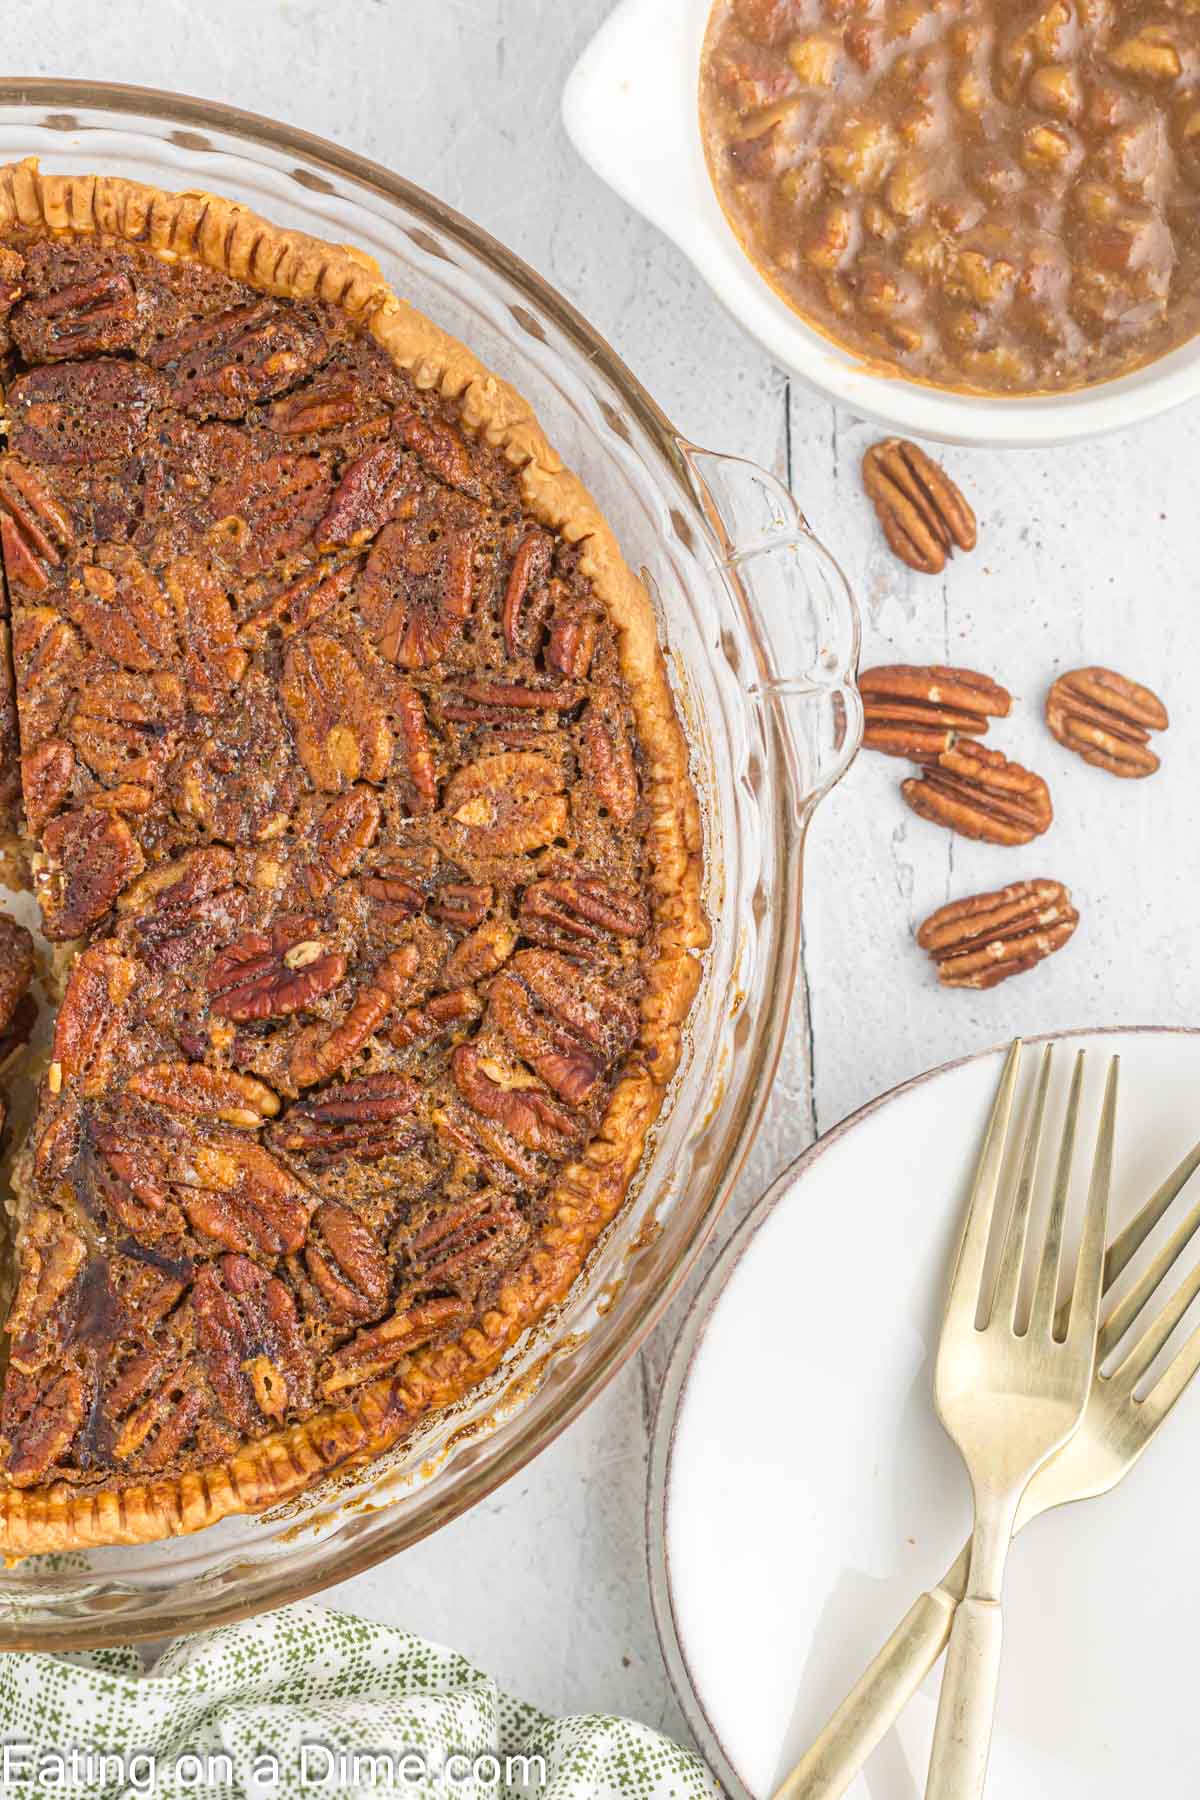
column 631, row 107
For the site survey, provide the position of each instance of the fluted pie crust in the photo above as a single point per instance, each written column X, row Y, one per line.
column 204, row 228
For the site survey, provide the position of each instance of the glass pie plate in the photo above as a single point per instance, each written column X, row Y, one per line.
column 761, row 637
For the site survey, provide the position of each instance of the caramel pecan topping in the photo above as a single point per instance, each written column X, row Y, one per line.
column 461, row 904
column 82, row 412
column 347, row 1264
column 270, row 975
column 366, row 496
column 1107, row 720
column 416, row 747
column 91, row 856
column 978, row 942
column 919, row 712
column 608, row 757
column 580, row 907
column 247, row 1328
column 347, row 830
column 415, row 593
column 152, row 1406
column 442, row 1013
column 16, row 968
column 319, row 1054
column 527, row 1112
column 85, row 319
column 569, row 1066
column 523, row 619
column 460, row 1244
column 341, row 733
column 923, row 514
column 205, row 1093
column 508, row 804
column 355, row 1118
column 121, row 610
column 35, row 531
column 980, row 794
column 376, row 1351
column 40, row 1423
column 52, row 1256
column 220, row 367
column 91, row 1024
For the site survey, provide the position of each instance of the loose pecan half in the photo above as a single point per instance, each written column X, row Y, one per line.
column 574, row 633
column 579, row 999
column 152, row 1403
column 301, row 603
column 478, row 702
column 235, row 1192
column 272, row 975
column 1107, row 720
column 347, row 1264
column 125, row 725
column 35, row 530
column 442, row 1013
column 923, row 514
column 980, row 794
column 353, row 1118
column 366, row 495
column 416, row 747
column 919, row 712
column 248, row 1331
column 979, row 942
column 441, row 449
column 329, row 403
column 181, row 909
column 480, row 954
column 341, row 733
column 557, row 1055
column 52, row 1256
column 461, row 904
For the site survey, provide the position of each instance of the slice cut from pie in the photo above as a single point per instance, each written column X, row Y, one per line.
column 351, row 777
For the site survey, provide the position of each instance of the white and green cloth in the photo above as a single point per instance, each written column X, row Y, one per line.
column 310, row 1703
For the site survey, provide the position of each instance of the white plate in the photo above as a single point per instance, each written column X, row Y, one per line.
column 802, row 1492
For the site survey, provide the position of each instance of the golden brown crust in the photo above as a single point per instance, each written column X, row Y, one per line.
column 228, row 238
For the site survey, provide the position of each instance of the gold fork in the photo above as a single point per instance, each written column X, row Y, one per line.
column 1116, row 1429
column 1010, row 1398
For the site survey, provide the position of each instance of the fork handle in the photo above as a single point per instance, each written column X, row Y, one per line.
column 963, row 1734
column 881, row 1693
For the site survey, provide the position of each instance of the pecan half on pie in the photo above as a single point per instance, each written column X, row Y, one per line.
column 350, row 772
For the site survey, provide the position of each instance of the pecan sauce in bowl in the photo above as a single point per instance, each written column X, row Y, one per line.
column 990, row 197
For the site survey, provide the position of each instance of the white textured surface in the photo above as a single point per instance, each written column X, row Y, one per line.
column 1086, row 556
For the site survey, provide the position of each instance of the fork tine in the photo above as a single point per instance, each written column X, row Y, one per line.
column 1128, row 1242
column 1045, row 1293
column 962, row 1304
column 1008, row 1280
column 1089, row 1264
column 1135, row 1363
column 1172, row 1382
column 1127, row 1310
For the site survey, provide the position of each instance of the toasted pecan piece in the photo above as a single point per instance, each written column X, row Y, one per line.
column 920, row 711
column 981, row 941
column 923, row 514
column 1107, row 720
column 980, row 794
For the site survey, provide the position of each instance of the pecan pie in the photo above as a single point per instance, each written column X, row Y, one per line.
column 350, row 775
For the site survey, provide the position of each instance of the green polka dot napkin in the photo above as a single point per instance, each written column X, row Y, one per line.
column 310, row 1703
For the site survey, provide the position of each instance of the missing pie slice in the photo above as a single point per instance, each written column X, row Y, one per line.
column 350, row 773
